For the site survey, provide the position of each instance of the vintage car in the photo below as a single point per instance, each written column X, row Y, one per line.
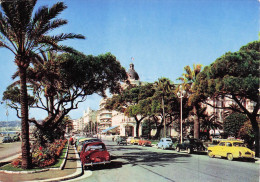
column 82, row 141
column 134, row 141
column 165, row 143
column 190, row 145
column 144, row 142
column 128, row 140
column 7, row 139
column 16, row 138
column 94, row 153
column 231, row 149
column 121, row 140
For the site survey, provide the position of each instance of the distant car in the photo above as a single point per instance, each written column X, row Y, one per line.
column 144, row 142
column 165, row 143
column 83, row 141
column 190, row 145
column 128, row 140
column 121, row 140
column 7, row 139
column 16, row 138
column 231, row 149
column 134, row 141
column 94, row 153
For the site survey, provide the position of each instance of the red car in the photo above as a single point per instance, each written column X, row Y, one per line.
column 94, row 153
column 144, row 142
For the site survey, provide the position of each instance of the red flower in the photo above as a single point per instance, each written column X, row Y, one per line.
column 40, row 148
column 40, row 154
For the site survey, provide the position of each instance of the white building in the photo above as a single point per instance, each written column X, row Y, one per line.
column 104, row 117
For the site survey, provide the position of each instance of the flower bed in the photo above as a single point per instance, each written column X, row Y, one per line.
column 44, row 156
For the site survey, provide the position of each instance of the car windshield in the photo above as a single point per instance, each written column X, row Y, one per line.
column 238, row 144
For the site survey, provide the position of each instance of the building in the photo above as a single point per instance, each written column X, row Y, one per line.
column 90, row 120
column 121, row 124
column 104, row 117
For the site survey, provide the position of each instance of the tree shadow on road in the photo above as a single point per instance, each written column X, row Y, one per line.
column 152, row 159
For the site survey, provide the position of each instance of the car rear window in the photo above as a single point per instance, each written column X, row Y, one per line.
column 95, row 147
column 168, row 140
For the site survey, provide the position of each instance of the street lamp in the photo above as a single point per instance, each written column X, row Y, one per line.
column 181, row 93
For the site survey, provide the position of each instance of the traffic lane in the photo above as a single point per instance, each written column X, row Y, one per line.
column 193, row 167
column 9, row 149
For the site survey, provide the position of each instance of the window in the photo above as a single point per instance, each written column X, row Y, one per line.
column 228, row 144
column 222, row 144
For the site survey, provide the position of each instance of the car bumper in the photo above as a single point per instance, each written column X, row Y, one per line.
column 246, row 157
column 97, row 163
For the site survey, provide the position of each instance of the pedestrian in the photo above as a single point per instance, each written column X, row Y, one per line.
column 71, row 141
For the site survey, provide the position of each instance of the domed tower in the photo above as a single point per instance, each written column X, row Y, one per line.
column 132, row 74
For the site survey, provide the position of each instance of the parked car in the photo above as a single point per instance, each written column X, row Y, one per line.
column 7, row 139
column 128, row 140
column 165, row 143
column 134, row 141
column 16, row 138
column 144, row 142
column 82, row 141
column 190, row 145
column 231, row 149
column 94, row 153
column 121, row 140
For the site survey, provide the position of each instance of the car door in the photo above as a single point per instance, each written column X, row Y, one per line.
column 185, row 144
column 220, row 149
column 227, row 149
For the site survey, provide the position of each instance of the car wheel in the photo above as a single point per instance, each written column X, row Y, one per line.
column 163, row 147
column 230, row 157
column 189, row 150
column 210, row 154
column 178, row 149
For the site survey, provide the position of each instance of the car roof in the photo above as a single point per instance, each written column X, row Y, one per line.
column 232, row 141
column 93, row 143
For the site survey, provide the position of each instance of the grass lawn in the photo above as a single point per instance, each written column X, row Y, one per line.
column 9, row 167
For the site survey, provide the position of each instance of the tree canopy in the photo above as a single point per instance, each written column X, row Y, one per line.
column 67, row 80
column 234, row 76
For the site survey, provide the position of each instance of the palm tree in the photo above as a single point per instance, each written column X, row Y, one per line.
column 24, row 34
column 188, row 79
column 164, row 85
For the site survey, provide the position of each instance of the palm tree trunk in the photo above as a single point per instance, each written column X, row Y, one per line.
column 196, row 123
column 26, row 159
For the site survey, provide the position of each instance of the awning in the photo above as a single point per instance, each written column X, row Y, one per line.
column 110, row 128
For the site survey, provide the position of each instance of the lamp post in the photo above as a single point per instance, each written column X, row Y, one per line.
column 181, row 93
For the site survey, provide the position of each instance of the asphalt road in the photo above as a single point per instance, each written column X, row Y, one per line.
column 148, row 164
column 9, row 149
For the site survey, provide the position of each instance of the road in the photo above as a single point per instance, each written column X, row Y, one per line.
column 9, row 149
column 136, row 163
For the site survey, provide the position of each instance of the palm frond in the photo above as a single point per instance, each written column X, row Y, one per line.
column 63, row 36
column 15, row 75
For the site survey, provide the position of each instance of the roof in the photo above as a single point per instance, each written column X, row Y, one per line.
column 132, row 74
column 110, row 128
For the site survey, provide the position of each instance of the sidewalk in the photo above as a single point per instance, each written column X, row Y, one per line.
column 72, row 169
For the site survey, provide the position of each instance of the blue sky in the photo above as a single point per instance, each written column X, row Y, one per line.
column 163, row 36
